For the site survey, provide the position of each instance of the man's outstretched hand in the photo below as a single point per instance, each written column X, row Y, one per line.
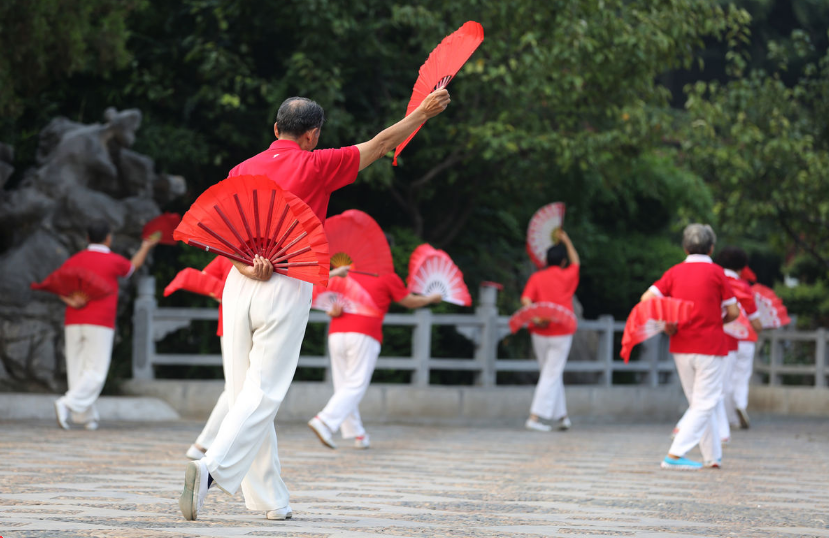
column 435, row 103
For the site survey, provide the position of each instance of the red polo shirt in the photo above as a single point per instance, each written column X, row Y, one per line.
column 219, row 268
column 310, row 175
column 552, row 285
column 384, row 289
column 748, row 308
column 109, row 266
column 699, row 280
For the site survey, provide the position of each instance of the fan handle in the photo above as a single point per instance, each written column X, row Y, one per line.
column 444, row 82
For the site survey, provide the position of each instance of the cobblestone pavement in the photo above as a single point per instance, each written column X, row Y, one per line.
column 596, row 480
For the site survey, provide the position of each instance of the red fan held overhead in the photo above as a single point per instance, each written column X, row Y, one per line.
column 547, row 313
column 355, row 239
column 195, row 281
column 441, row 66
column 433, row 271
column 243, row 216
column 649, row 318
column 163, row 226
column 76, row 281
column 541, row 231
column 773, row 313
column 348, row 294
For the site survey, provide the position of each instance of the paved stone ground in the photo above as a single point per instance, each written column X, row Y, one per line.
column 124, row 480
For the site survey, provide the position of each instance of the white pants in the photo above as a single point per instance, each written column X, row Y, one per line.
column 551, row 353
column 736, row 391
column 701, row 377
column 723, row 425
column 88, row 353
column 353, row 358
column 264, row 323
column 214, row 421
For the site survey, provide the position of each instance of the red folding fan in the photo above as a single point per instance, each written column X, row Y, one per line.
column 218, row 268
column 441, row 66
column 748, row 275
column 346, row 292
column 243, row 216
column 355, row 239
column 163, row 225
column 551, row 313
column 433, row 271
column 740, row 328
column 68, row 281
column 773, row 313
column 541, row 230
column 649, row 318
column 195, row 281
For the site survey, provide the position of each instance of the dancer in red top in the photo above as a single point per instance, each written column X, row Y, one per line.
column 555, row 284
column 265, row 314
column 89, row 327
column 354, row 345
column 698, row 345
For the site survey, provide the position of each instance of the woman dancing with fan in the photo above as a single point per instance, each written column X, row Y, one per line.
column 265, row 314
column 556, row 284
column 89, row 325
column 698, row 345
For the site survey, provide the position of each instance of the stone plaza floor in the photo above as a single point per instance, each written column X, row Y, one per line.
column 595, row 480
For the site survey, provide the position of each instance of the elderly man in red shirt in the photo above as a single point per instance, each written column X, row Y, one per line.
column 265, row 314
column 555, row 284
column 699, row 345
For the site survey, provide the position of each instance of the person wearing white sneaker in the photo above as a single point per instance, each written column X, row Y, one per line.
column 89, row 326
column 354, row 344
column 699, row 344
column 556, row 283
column 265, row 314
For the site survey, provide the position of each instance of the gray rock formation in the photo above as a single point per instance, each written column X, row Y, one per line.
column 82, row 172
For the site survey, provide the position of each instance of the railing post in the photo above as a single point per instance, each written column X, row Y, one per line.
column 605, row 348
column 820, row 358
column 422, row 347
column 775, row 359
column 650, row 354
column 486, row 349
column 143, row 345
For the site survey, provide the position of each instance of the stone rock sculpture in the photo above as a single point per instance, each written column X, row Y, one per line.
column 82, row 172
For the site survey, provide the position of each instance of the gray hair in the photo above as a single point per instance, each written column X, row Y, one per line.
column 698, row 238
column 298, row 115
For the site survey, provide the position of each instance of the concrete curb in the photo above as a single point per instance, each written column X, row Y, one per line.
column 15, row 406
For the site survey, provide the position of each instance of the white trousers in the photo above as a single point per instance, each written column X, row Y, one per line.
column 701, row 377
column 264, row 324
column 723, row 425
column 736, row 390
column 353, row 358
column 551, row 353
column 214, row 421
column 88, row 353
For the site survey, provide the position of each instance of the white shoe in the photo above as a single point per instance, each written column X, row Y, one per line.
column 362, row 441
column 194, row 453
column 564, row 424
column 62, row 412
column 537, row 426
column 325, row 435
column 92, row 425
column 195, row 490
column 280, row 513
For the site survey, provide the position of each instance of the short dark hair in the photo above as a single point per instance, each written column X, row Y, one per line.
column 98, row 230
column 733, row 258
column 298, row 115
column 556, row 254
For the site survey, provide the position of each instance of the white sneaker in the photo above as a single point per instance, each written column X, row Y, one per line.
column 62, row 412
column 280, row 513
column 195, row 490
column 564, row 424
column 325, row 435
column 537, row 426
column 92, row 425
column 194, row 453
column 362, row 441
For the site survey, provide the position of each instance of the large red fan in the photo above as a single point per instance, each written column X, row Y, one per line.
column 355, row 239
column 740, row 328
column 441, row 66
column 78, row 281
column 346, row 292
column 193, row 280
column 248, row 215
column 164, row 225
column 541, row 230
column 433, row 271
column 551, row 313
column 773, row 313
column 649, row 318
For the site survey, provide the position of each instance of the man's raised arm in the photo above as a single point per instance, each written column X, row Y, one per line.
column 391, row 137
